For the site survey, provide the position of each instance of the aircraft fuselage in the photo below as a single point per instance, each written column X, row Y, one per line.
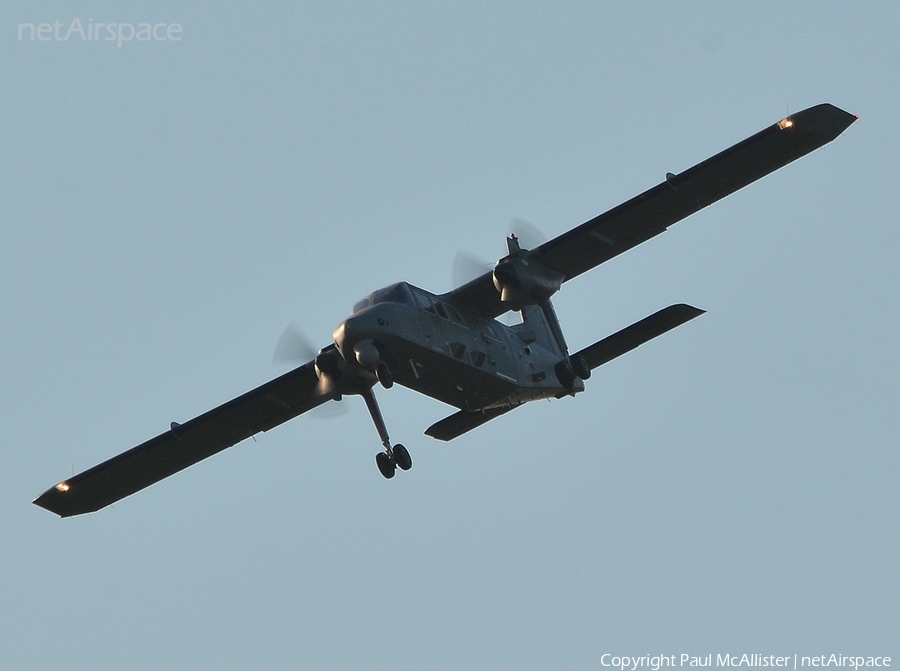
column 450, row 354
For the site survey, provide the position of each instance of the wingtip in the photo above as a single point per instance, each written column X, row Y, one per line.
column 825, row 120
column 58, row 501
column 689, row 311
column 46, row 502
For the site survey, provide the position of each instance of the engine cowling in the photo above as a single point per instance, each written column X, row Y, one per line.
column 522, row 281
column 328, row 363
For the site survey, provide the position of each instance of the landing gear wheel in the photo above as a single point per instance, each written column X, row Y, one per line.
column 383, row 373
column 385, row 464
column 565, row 375
column 402, row 458
column 581, row 368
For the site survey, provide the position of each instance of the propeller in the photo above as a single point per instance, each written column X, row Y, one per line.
column 468, row 266
column 529, row 235
column 294, row 348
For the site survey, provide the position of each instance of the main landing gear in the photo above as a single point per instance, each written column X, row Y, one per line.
column 394, row 456
column 570, row 368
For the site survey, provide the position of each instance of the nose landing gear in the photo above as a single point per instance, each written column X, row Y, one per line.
column 389, row 461
column 569, row 369
column 393, row 457
column 401, row 456
column 385, row 464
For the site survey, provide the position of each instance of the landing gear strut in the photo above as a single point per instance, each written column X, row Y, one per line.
column 393, row 457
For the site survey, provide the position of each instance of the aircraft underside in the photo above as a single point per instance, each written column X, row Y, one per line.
column 450, row 346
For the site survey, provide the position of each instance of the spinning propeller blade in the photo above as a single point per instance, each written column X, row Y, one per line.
column 294, row 348
column 529, row 235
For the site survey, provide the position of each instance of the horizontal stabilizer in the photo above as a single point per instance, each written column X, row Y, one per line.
column 595, row 355
column 637, row 334
column 463, row 421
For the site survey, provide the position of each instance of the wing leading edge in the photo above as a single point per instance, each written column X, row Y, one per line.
column 679, row 196
column 185, row 444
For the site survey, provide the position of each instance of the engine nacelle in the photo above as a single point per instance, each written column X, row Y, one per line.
column 522, row 281
column 329, row 364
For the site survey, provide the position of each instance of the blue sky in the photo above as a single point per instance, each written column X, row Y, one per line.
column 171, row 206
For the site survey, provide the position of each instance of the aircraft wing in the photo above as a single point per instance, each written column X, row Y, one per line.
column 185, row 444
column 679, row 196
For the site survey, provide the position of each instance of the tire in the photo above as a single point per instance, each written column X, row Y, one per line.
column 385, row 465
column 581, row 368
column 402, row 458
column 565, row 376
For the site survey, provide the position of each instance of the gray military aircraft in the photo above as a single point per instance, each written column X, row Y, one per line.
column 451, row 346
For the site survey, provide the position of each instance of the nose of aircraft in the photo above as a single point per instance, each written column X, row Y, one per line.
column 368, row 324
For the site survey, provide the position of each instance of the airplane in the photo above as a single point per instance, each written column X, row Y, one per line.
column 451, row 346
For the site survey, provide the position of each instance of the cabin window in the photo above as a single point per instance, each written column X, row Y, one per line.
column 423, row 301
column 361, row 305
column 396, row 293
column 455, row 317
column 488, row 329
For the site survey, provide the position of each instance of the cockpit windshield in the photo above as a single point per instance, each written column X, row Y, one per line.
column 396, row 293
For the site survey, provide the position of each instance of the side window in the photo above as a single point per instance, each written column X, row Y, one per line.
column 361, row 305
column 436, row 307
column 423, row 301
column 455, row 316
column 396, row 293
column 488, row 329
